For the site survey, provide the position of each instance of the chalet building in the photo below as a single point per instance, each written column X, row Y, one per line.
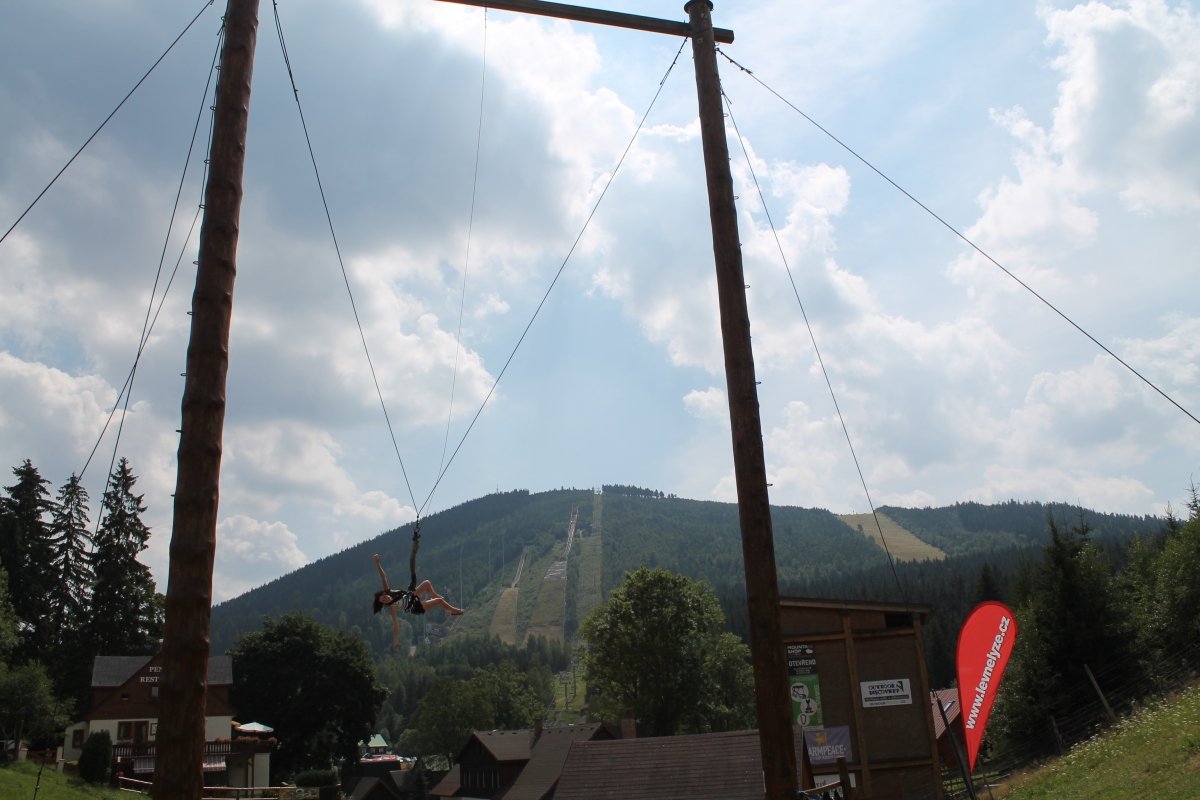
column 125, row 702
column 947, row 738
column 515, row 765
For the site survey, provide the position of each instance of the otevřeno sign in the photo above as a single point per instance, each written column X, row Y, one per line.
column 984, row 646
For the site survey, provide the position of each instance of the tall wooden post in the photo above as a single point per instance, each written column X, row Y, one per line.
column 749, row 463
column 178, row 772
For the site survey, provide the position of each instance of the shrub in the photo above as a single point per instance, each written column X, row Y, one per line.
column 96, row 759
column 317, row 777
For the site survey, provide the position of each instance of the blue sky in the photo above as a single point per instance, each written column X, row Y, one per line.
column 1061, row 138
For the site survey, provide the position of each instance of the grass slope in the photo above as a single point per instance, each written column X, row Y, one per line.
column 903, row 545
column 20, row 779
column 1154, row 754
column 504, row 620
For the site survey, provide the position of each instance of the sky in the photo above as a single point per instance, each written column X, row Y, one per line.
column 468, row 155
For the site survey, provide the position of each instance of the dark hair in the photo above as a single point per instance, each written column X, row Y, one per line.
column 378, row 604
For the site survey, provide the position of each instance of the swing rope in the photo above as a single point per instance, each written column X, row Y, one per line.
column 554, row 281
column 467, row 256
column 813, row 338
column 341, row 262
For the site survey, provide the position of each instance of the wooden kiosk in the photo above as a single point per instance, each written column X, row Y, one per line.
column 859, row 689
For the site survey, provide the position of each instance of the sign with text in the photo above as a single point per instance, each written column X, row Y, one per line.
column 827, row 745
column 804, row 686
column 984, row 645
column 892, row 692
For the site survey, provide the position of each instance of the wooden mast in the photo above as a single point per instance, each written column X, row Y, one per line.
column 178, row 770
column 773, row 705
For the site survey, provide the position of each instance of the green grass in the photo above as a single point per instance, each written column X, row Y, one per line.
column 1152, row 754
column 18, row 782
column 903, row 545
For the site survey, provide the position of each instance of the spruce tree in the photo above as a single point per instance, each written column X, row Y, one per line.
column 25, row 554
column 71, row 544
column 125, row 617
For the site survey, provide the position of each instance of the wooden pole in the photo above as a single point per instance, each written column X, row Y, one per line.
column 178, row 772
column 958, row 753
column 749, row 463
column 1108, row 712
column 596, row 16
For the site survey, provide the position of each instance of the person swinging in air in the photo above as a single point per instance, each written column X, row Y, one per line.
column 409, row 599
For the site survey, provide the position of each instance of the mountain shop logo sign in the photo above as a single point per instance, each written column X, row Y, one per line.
column 984, row 646
column 892, row 692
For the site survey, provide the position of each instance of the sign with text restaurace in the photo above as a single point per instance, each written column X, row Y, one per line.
column 892, row 692
column 804, row 686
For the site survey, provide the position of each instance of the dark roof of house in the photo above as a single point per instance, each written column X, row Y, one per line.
column 450, row 783
column 545, row 765
column 373, row 789
column 949, row 698
column 710, row 766
column 113, row 671
column 507, row 745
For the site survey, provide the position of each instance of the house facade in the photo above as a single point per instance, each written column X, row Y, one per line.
column 125, row 702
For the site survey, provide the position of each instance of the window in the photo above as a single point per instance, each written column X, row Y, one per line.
column 77, row 738
column 124, row 731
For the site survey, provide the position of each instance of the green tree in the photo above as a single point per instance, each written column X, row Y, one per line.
column 71, row 544
column 96, row 759
column 25, row 554
column 8, row 620
column 128, row 619
column 658, row 650
column 513, row 699
column 446, row 716
column 28, row 707
column 1070, row 615
column 315, row 686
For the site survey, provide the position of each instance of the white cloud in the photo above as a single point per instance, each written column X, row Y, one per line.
column 248, row 548
column 707, row 403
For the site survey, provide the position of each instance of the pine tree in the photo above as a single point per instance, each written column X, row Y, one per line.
column 126, row 619
column 71, row 557
column 25, row 554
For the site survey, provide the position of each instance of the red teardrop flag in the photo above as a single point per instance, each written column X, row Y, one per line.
column 984, row 645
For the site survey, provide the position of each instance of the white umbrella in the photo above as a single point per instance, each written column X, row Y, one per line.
column 254, row 727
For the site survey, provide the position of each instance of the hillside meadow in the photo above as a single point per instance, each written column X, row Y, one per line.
column 1152, row 754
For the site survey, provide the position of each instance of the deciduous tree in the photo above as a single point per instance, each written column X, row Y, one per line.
column 658, row 650
column 446, row 717
column 315, row 686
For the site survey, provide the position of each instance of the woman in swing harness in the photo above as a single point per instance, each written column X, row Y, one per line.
column 408, row 599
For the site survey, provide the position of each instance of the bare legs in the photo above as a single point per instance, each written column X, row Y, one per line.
column 435, row 600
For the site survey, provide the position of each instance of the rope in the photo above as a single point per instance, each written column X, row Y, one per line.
column 467, row 257
column 964, row 238
column 557, row 274
column 412, row 557
column 337, row 249
column 148, row 324
column 71, row 160
column 825, row 372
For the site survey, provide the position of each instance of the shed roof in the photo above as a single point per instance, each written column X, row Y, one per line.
column 113, row 671
column 711, row 766
column 545, row 766
column 949, row 698
column 507, row 745
column 450, row 783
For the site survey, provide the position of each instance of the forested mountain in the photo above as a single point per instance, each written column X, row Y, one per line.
column 471, row 553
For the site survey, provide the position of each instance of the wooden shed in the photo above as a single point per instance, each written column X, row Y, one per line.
column 860, row 690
